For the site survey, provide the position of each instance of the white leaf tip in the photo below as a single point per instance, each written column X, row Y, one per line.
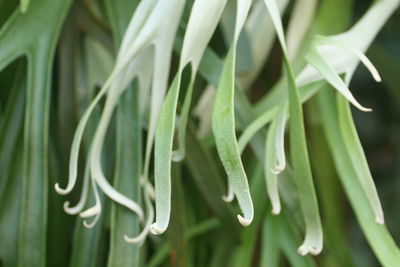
column 357, row 105
column 276, row 210
column 156, row 230
column 61, row 191
column 177, row 156
column 379, row 220
column 227, row 198
column 94, row 221
column 67, row 207
column 277, row 170
column 378, row 78
column 133, row 240
column 243, row 221
column 305, row 249
column 89, row 225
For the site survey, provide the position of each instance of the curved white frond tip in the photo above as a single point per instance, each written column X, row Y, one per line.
column 177, row 156
column 142, row 236
column 81, row 204
column 278, row 169
column 90, row 212
column 368, row 64
column 380, row 220
column 139, row 239
column 96, row 209
column 230, row 196
column 281, row 165
column 358, row 105
column 92, row 223
column 66, row 206
column 243, row 221
column 313, row 241
column 72, row 210
column 276, row 208
column 61, row 191
column 156, row 230
column 306, row 249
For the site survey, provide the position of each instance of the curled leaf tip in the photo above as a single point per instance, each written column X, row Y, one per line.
column 380, row 220
column 156, row 230
column 61, row 191
column 96, row 209
column 177, row 156
column 137, row 239
column 275, row 201
column 228, row 198
column 66, row 206
column 306, row 249
column 92, row 223
column 90, row 212
column 312, row 244
column 277, row 169
column 243, row 221
column 134, row 240
column 229, row 195
column 68, row 209
column 363, row 108
column 74, row 209
column 276, row 210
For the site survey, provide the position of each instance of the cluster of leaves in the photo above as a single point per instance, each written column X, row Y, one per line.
column 59, row 59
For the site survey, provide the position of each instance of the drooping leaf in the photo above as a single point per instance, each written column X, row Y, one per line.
column 308, row 201
column 377, row 235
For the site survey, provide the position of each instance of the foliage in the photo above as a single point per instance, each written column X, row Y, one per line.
column 155, row 116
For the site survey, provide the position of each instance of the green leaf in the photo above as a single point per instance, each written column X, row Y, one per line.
column 308, row 200
column 223, row 124
column 10, row 124
column 163, row 156
column 358, row 159
column 201, row 25
column 10, row 207
column 330, row 191
column 25, row 34
column 377, row 235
